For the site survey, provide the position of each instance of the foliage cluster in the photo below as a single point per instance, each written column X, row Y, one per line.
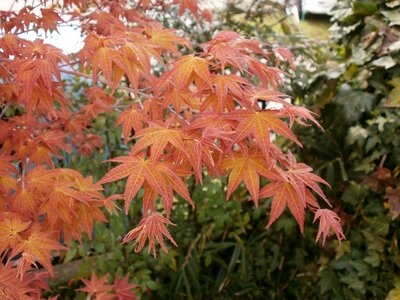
column 187, row 116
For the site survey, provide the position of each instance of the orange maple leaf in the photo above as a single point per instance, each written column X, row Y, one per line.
column 259, row 124
column 132, row 118
column 165, row 39
column 123, row 289
column 37, row 247
column 284, row 194
column 49, row 19
column 11, row 287
column 158, row 136
column 248, row 167
column 190, row 68
column 157, row 175
column 152, row 228
column 10, row 230
column 96, row 286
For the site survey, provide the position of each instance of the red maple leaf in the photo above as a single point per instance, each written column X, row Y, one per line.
column 328, row 220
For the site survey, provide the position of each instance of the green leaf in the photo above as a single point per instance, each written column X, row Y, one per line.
column 394, row 294
column 354, row 102
column 393, row 16
column 327, row 281
column 393, row 98
column 392, row 3
column 373, row 259
column 386, row 62
column 364, row 8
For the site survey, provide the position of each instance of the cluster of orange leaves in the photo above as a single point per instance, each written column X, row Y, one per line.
column 202, row 114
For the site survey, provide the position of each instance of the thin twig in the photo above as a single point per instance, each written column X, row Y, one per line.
column 4, row 109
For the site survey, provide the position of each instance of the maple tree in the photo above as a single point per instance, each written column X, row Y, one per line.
column 215, row 111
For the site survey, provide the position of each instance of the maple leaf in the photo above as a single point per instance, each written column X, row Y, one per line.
column 38, row 281
column 96, row 286
column 260, row 124
column 211, row 121
column 269, row 76
column 37, row 246
column 85, row 215
column 248, row 167
column 165, row 39
column 286, row 55
column 8, row 181
column 158, row 137
column 179, row 99
column 10, row 286
column 223, row 49
column 89, row 191
column 40, row 178
column 123, row 289
column 284, row 194
column 153, row 110
column 199, row 150
column 328, row 220
column 5, row 165
column 263, row 94
column 92, row 110
column 151, row 228
column 110, row 205
column 187, row 4
column 189, row 68
column 58, row 206
column 229, row 83
column 207, row 15
column 24, row 19
column 132, row 118
column 10, row 230
column 49, row 19
column 104, row 58
column 156, row 174
column 299, row 172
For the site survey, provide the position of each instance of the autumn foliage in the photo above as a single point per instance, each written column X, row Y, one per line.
column 215, row 112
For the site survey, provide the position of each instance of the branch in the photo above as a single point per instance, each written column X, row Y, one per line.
column 4, row 109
